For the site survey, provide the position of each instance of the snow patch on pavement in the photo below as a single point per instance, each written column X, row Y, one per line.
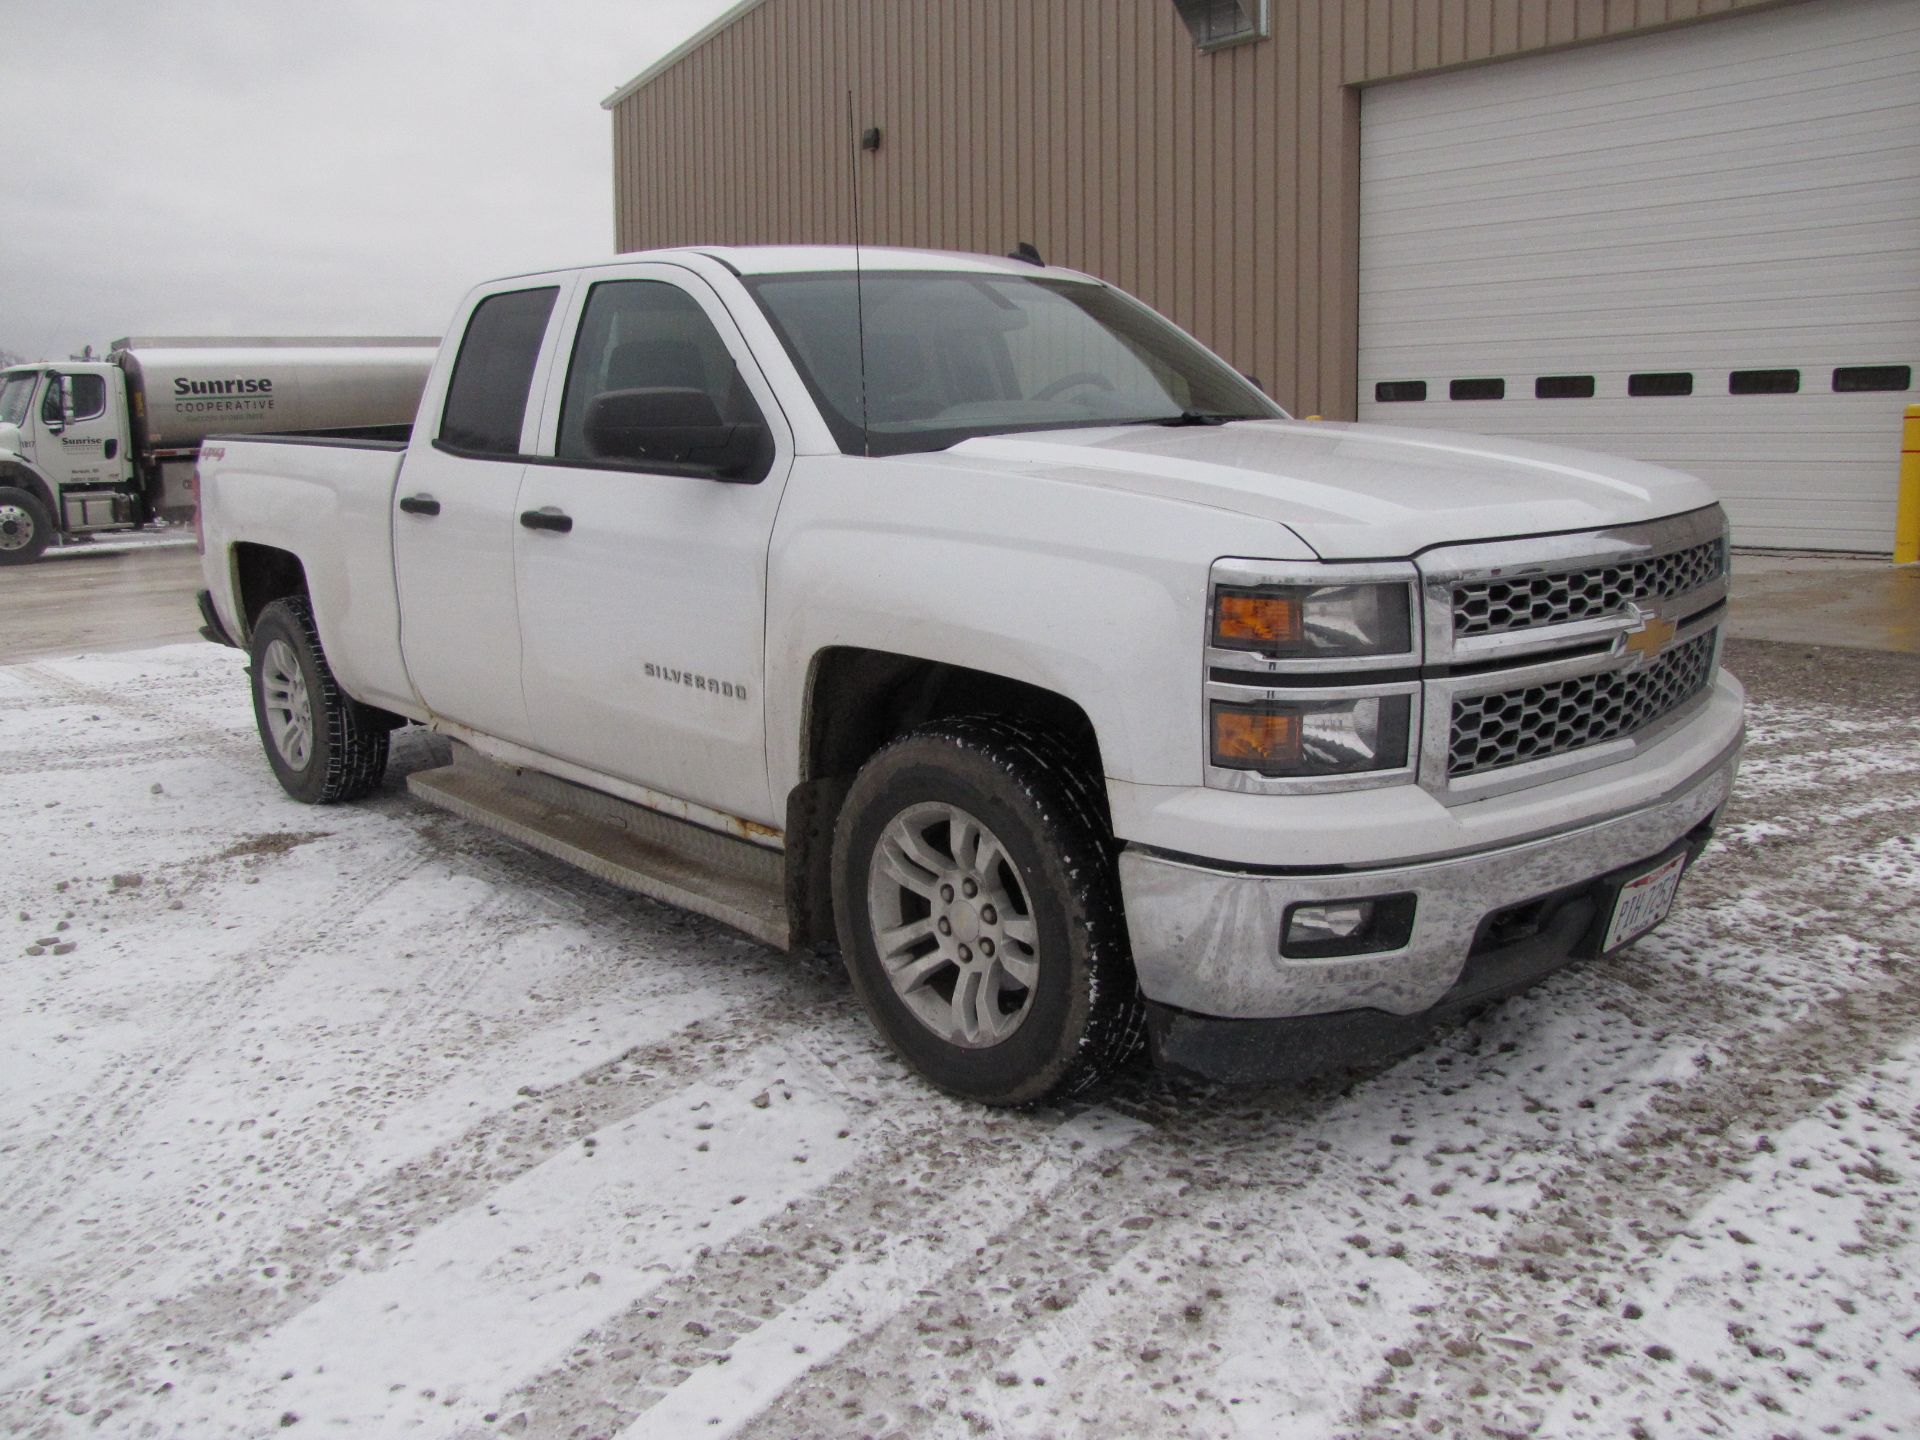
column 361, row 1120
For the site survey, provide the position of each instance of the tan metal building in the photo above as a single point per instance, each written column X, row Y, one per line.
column 1244, row 166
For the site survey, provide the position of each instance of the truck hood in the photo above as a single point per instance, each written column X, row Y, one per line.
column 1356, row 492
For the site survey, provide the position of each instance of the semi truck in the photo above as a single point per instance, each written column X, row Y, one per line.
column 90, row 447
column 968, row 616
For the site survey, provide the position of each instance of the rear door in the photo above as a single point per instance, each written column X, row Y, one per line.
column 454, row 512
column 642, row 572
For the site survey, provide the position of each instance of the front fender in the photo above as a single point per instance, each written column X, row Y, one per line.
column 1096, row 597
column 21, row 475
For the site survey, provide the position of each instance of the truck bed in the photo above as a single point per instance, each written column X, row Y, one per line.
column 280, row 491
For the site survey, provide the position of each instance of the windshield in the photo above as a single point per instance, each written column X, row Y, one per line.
column 950, row 356
column 16, row 394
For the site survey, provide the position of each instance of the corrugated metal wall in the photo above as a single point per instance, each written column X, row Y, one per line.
column 1222, row 188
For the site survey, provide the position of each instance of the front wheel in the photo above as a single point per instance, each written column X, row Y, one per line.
column 322, row 744
column 979, row 913
column 25, row 527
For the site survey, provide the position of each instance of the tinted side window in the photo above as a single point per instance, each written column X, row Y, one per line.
column 646, row 347
column 487, row 399
column 89, row 396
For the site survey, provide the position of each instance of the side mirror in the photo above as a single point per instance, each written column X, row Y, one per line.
column 56, row 410
column 676, row 430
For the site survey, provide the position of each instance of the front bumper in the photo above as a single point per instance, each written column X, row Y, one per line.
column 1206, row 940
column 1511, row 950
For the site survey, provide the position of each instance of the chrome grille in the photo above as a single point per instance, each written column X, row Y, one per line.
column 1512, row 726
column 1494, row 607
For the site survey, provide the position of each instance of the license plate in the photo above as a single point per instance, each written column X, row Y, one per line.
column 1644, row 902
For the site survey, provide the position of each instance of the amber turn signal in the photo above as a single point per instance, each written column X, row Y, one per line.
column 1255, row 739
column 1247, row 619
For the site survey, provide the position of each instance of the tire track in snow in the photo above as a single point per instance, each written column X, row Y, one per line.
column 225, row 1002
column 1701, row 1005
column 1563, row 1276
column 937, row 1361
column 367, row 1232
column 493, row 1289
column 1212, row 1355
column 726, row 1336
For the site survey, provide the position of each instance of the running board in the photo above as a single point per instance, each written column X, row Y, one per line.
column 732, row 881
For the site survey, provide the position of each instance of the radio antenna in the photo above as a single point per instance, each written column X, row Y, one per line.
column 859, row 290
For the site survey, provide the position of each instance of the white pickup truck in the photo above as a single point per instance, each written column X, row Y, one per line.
column 967, row 614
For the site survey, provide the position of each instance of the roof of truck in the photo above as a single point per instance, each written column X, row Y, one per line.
column 813, row 259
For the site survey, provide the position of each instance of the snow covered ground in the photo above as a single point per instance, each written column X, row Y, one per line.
column 362, row 1122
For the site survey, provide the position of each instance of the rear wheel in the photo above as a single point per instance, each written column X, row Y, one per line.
column 979, row 912
column 26, row 528
column 323, row 745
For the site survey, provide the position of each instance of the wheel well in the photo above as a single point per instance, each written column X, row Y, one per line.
column 857, row 701
column 21, row 478
column 262, row 575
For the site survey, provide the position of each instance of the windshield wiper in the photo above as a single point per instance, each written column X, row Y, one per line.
column 1196, row 417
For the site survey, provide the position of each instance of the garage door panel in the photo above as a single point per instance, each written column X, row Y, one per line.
column 1737, row 195
column 1656, row 309
column 1831, row 262
column 1605, row 183
column 1800, row 446
column 1682, row 64
column 1541, row 143
column 1875, row 206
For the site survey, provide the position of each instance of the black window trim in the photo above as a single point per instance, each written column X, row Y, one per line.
column 1573, row 387
column 1654, row 384
column 668, row 468
column 1768, row 380
column 1470, row 389
column 557, row 389
column 1862, row 372
column 1382, row 387
column 559, row 287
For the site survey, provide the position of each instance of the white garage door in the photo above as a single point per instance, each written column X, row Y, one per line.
column 1700, row 247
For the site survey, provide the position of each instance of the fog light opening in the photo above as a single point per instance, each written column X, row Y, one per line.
column 1361, row 926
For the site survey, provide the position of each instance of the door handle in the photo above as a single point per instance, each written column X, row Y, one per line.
column 420, row 505
column 548, row 518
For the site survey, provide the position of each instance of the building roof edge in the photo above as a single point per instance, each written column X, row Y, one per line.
column 680, row 52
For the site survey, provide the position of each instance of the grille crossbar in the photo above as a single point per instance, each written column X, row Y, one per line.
column 1510, row 727
column 1496, row 607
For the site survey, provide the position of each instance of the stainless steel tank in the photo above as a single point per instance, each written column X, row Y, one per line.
column 181, row 389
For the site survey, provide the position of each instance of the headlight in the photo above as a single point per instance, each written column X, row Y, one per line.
column 1300, row 738
column 1305, row 622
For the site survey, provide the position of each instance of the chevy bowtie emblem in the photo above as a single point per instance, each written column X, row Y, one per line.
column 1647, row 639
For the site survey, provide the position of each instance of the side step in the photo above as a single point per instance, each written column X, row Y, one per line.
column 732, row 881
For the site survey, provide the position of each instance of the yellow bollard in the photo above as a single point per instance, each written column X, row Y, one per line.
column 1906, row 527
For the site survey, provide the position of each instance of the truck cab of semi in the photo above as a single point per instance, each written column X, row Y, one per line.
column 64, row 443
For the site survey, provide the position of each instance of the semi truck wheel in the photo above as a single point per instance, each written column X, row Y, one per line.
column 25, row 527
column 979, row 913
column 323, row 745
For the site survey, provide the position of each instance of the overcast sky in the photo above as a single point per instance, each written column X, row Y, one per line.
column 351, row 167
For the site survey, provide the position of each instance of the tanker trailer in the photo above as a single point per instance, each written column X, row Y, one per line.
column 89, row 447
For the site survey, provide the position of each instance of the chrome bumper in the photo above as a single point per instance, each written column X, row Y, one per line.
column 1207, row 940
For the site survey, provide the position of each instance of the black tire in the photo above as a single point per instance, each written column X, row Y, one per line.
column 1081, row 1015
column 26, row 529
column 345, row 751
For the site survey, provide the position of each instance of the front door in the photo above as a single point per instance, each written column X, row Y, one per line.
column 454, row 516
column 642, row 549
column 82, row 418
